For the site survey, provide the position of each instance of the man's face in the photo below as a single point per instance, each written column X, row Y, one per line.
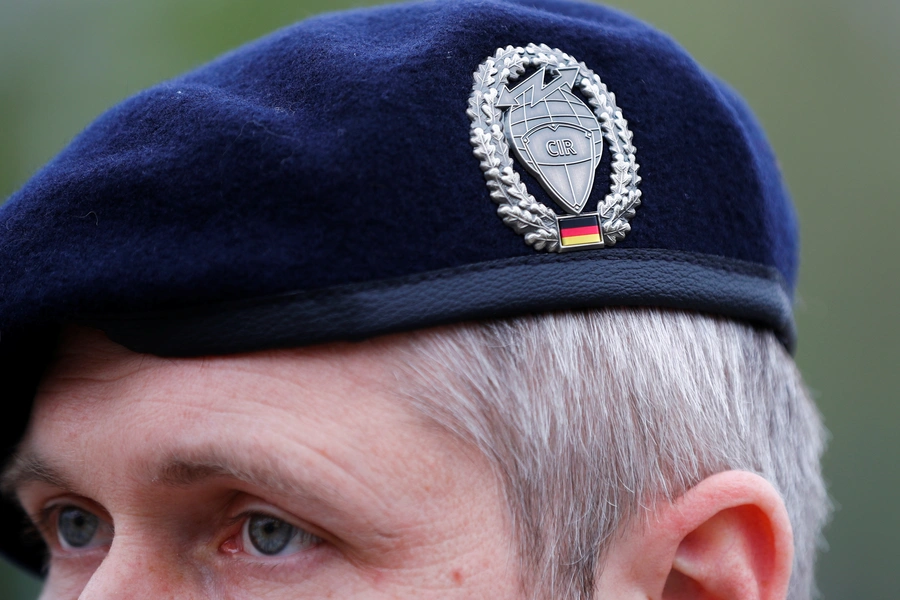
column 279, row 475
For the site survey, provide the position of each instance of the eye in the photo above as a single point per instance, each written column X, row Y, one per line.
column 77, row 529
column 265, row 535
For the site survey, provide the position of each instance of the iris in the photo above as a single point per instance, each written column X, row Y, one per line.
column 269, row 535
column 76, row 527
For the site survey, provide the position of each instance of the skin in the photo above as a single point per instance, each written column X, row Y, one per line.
column 164, row 452
column 176, row 456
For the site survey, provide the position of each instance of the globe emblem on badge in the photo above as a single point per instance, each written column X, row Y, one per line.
column 540, row 109
column 554, row 135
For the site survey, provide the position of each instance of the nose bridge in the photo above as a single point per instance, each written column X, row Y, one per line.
column 137, row 571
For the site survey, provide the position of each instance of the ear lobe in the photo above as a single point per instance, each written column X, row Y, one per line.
column 739, row 544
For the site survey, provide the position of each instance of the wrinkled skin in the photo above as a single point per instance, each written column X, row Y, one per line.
column 175, row 457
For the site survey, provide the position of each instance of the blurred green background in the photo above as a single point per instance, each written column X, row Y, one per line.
column 822, row 75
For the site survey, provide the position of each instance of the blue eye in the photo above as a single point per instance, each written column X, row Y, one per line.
column 265, row 535
column 76, row 527
column 269, row 535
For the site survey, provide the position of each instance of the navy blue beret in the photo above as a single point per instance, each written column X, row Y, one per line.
column 385, row 169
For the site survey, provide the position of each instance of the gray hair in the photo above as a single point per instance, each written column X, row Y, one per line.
column 588, row 417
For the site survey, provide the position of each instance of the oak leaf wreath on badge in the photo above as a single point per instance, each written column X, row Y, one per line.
column 539, row 224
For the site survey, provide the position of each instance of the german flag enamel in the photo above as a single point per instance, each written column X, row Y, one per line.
column 579, row 231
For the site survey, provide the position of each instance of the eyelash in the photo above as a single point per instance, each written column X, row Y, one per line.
column 235, row 542
column 46, row 524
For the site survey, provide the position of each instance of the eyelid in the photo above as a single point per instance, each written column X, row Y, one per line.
column 44, row 519
column 46, row 522
column 251, row 507
column 300, row 541
column 77, row 501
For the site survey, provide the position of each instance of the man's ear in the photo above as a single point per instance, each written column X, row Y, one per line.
column 728, row 537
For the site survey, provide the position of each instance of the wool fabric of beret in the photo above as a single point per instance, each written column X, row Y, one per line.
column 319, row 184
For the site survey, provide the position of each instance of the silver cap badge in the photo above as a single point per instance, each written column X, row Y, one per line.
column 559, row 140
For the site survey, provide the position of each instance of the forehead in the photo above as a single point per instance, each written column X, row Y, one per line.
column 102, row 404
column 90, row 372
column 164, row 447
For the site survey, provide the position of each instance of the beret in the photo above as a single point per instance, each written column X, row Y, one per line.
column 385, row 169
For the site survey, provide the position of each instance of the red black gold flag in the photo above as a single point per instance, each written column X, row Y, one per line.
column 580, row 231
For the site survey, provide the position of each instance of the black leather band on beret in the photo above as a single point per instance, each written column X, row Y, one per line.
column 485, row 290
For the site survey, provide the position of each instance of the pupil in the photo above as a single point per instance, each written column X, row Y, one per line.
column 268, row 534
column 77, row 527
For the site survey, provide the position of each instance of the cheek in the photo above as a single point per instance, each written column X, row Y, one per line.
column 321, row 574
column 68, row 578
column 326, row 574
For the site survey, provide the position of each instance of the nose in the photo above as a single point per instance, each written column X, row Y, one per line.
column 138, row 573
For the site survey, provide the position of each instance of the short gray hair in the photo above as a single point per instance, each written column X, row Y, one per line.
column 587, row 417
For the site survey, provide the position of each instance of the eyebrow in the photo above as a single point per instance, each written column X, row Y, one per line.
column 193, row 468
column 190, row 466
column 176, row 470
column 28, row 467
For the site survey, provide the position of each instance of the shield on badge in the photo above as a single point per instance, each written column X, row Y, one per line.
column 555, row 136
column 563, row 156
